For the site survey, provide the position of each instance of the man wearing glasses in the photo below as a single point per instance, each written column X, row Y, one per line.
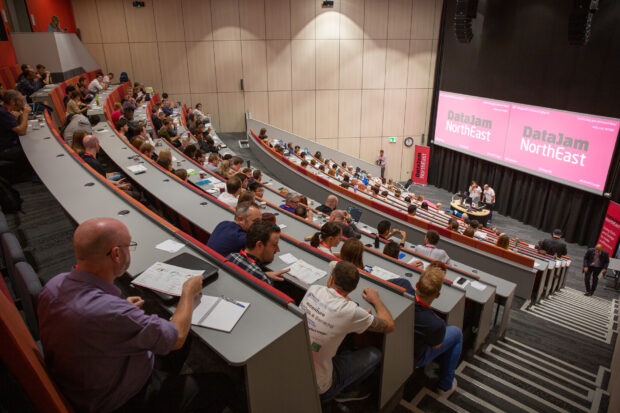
column 104, row 352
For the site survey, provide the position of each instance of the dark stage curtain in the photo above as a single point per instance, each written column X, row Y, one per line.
column 535, row 201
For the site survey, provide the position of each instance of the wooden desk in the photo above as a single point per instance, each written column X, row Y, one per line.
column 481, row 216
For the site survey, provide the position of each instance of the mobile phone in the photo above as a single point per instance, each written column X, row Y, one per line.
column 367, row 268
column 461, row 281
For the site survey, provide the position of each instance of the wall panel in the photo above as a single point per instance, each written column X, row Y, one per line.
column 369, row 148
column 201, row 67
column 351, row 19
column 140, row 23
column 252, row 19
column 254, row 58
column 351, row 64
column 257, row 103
column 225, row 19
column 277, row 19
column 350, row 146
column 327, row 21
column 399, row 19
column 197, row 20
column 232, row 114
column 112, row 21
column 304, row 113
column 279, row 64
column 374, row 64
column 118, row 58
column 303, row 64
column 169, row 20
column 349, row 112
column 415, row 111
column 173, row 64
column 145, row 64
column 394, row 112
column 87, row 20
column 376, row 19
column 372, row 113
column 280, row 109
column 302, row 19
column 96, row 50
column 419, row 63
column 327, row 62
column 228, row 65
column 209, row 106
column 326, row 114
column 397, row 64
column 422, row 19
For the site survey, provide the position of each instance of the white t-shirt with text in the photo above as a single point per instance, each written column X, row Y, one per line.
column 330, row 318
column 488, row 196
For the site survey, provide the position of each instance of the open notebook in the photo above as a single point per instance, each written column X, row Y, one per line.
column 217, row 312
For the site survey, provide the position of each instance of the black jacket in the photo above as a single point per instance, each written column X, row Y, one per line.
column 553, row 246
column 325, row 209
column 588, row 259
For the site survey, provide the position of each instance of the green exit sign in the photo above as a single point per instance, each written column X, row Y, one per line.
column 392, row 140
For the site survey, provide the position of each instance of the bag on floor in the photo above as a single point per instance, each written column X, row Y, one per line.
column 10, row 201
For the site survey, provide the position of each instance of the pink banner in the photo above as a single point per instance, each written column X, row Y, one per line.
column 610, row 233
column 421, row 158
column 569, row 146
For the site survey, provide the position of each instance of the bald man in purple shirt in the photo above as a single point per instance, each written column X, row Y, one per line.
column 104, row 351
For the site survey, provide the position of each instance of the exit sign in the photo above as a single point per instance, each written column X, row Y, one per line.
column 392, row 140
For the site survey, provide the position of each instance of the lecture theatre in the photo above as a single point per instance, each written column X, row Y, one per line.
column 309, row 206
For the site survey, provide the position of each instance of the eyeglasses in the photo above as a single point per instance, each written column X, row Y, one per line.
column 132, row 247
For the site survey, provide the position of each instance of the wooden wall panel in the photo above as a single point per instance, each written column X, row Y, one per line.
column 330, row 143
column 277, row 19
column 118, row 59
column 197, row 20
column 304, row 113
column 140, row 23
column 327, row 21
column 394, row 112
column 281, row 110
column 327, row 62
column 399, row 19
column 351, row 19
column 225, row 19
column 437, row 18
column 376, row 19
column 252, row 19
column 369, row 148
column 349, row 113
column 209, row 106
column 350, row 146
column 326, row 113
column 254, row 58
column 372, row 113
column 302, row 19
column 351, row 52
column 228, row 65
column 396, row 68
column 96, row 50
column 232, row 115
column 87, row 20
column 303, row 64
column 169, row 21
column 201, row 67
column 112, row 21
column 279, row 64
column 257, row 103
column 422, row 19
column 415, row 111
column 173, row 64
column 145, row 63
column 393, row 152
column 419, row 63
column 374, row 64
column 406, row 164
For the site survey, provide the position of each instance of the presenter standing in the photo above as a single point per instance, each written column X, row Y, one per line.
column 595, row 264
column 381, row 162
column 489, row 199
column 474, row 191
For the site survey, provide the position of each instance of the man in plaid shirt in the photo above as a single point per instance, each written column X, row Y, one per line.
column 261, row 245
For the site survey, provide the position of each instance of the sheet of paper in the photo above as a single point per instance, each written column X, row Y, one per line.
column 169, row 245
column 478, row 285
column 306, row 272
column 137, row 168
column 383, row 274
column 282, row 226
column 217, row 313
column 288, row 258
column 424, row 263
column 530, row 245
column 165, row 278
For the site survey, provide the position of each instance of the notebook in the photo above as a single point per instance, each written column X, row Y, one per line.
column 218, row 313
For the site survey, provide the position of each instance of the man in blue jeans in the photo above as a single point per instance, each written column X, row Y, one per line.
column 432, row 338
column 331, row 316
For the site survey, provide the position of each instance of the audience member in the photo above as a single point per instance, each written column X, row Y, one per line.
column 554, row 245
column 392, row 249
column 181, row 174
column 331, row 203
column 233, row 189
column 74, row 123
column 385, row 232
column 469, row 232
column 246, row 196
column 424, row 205
column 213, row 162
column 327, row 238
column 54, row 26
column 230, row 236
column 352, row 251
column 223, row 169
column 433, row 339
column 430, row 250
column 595, row 263
column 103, row 351
column 343, row 219
column 96, row 85
column 28, row 84
column 261, row 246
column 257, row 188
column 338, row 375
column 13, row 124
column 411, row 210
column 292, row 200
column 77, row 141
column 503, row 241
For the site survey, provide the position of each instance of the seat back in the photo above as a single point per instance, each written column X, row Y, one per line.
column 12, row 253
column 28, row 287
column 4, row 226
column 21, row 355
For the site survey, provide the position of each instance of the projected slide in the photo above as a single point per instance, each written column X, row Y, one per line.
column 570, row 148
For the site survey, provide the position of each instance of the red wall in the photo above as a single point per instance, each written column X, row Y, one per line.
column 7, row 53
column 43, row 10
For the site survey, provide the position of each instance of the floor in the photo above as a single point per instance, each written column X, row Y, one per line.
column 568, row 373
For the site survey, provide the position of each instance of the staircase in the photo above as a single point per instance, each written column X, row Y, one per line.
column 514, row 376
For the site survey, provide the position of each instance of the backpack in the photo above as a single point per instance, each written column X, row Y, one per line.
column 124, row 78
column 10, row 201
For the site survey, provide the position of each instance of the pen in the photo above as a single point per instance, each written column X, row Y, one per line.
column 230, row 300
